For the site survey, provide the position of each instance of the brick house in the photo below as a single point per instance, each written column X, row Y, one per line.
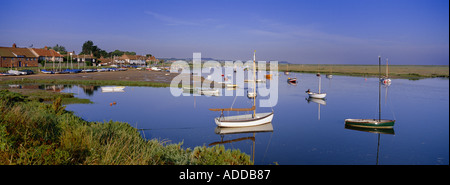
column 46, row 54
column 131, row 59
column 17, row 57
column 84, row 58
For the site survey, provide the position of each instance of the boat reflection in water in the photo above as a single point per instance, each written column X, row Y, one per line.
column 222, row 131
column 319, row 102
column 113, row 88
column 378, row 131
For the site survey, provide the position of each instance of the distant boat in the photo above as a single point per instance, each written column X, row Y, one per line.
column 16, row 72
column 47, row 72
column 257, row 81
column 386, row 80
column 329, row 76
column 370, row 123
column 373, row 123
column 209, row 92
column 251, row 93
column 287, row 70
column 245, row 120
column 113, row 89
column 231, row 85
column 292, row 81
column 318, row 95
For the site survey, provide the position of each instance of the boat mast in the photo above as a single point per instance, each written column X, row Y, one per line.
column 319, row 83
column 254, row 83
column 387, row 69
column 379, row 88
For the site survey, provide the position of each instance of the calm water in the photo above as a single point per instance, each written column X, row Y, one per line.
column 303, row 132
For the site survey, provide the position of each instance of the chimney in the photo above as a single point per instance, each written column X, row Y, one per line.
column 46, row 48
column 14, row 45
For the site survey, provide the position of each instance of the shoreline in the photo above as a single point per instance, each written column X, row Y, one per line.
column 133, row 77
column 395, row 71
column 36, row 133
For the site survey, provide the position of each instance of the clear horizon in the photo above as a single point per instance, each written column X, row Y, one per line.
column 408, row 32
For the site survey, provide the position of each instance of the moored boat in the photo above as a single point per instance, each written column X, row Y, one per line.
column 370, row 123
column 292, row 80
column 373, row 123
column 247, row 119
column 318, row 95
column 113, row 89
column 46, row 72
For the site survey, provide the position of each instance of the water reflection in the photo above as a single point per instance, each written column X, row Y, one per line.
column 297, row 135
column 319, row 102
column 222, row 131
column 377, row 131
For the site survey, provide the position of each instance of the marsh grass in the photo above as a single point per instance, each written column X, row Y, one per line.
column 395, row 71
column 35, row 133
column 84, row 82
column 48, row 96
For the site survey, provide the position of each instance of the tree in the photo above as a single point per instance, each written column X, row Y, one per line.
column 60, row 49
column 88, row 47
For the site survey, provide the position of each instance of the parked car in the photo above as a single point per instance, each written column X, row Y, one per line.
column 28, row 71
column 15, row 72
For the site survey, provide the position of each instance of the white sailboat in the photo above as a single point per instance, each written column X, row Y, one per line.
column 245, row 120
column 386, row 80
column 318, row 95
column 373, row 123
column 113, row 89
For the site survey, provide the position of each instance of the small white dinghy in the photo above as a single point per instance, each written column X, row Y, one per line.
column 113, row 89
column 209, row 92
column 317, row 95
column 245, row 120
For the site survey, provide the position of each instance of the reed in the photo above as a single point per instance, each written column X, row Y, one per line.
column 46, row 134
column 84, row 82
column 395, row 71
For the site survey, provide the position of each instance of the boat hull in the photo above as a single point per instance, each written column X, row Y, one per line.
column 292, row 80
column 317, row 95
column 370, row 123
column 113, row 89
column 246, row 120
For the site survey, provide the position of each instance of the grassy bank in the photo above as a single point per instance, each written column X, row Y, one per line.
column 48, row 96
column 36, row 133
column 83, row 82
column 395, row 71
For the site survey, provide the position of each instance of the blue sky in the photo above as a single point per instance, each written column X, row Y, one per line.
column 304, row 32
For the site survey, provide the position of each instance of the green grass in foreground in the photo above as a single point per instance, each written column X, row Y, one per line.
column 35, row 133
column 84, row 82
column 395, row 71
column 48, row 96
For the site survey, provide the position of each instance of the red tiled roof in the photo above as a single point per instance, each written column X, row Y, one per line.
column 25, row 52
column 46, row 52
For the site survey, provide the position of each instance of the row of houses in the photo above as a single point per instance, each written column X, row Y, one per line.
column 30, row 57
column 128, row 59
column 26, row 57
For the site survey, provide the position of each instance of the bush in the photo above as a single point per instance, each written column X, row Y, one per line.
column 46, row 134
